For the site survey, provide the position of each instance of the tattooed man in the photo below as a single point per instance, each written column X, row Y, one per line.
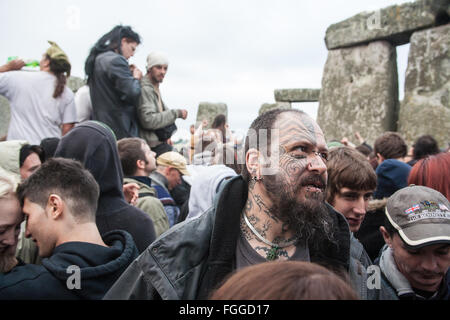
column 275, row 210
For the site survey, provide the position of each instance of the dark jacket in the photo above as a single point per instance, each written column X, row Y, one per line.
column 99, row 267
column 160, row 183
column 94, row 145
column 194, row 256
column 369, row 233
column 115, row 94
column 392, row 175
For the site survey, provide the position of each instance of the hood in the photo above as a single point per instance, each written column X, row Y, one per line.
column 94, row 145
column 377, row 204
column 392, row 175
column 204, row 187
column 391, row 272
column 10, row 156
column 99, row 266
column 145, row 82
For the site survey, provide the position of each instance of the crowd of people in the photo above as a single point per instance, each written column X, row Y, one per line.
column 96, row 203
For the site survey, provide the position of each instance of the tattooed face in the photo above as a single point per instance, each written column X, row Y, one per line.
column 297, row 190
column 302, row 172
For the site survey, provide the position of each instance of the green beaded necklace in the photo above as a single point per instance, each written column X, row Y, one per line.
column 274, row 247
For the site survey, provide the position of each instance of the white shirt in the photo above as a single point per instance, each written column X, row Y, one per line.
column 35, row 114
column 83, row 104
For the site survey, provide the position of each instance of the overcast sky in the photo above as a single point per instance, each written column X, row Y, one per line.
column 232, row 51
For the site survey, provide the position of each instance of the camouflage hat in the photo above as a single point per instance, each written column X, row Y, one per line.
column 59, row 56
column 421, row 215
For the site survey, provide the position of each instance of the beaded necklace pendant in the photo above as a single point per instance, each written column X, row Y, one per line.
column 272, row 254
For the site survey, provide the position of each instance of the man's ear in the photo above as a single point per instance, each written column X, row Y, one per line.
column 380, row 158
column 387, row 238
column 168, row 170
column 140, row 164
column 55, row 206
column 252, row 162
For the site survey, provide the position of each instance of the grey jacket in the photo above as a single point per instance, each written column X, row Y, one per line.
column 150, row 118
column 115, row 94
column 359, row 262
column 193, row 257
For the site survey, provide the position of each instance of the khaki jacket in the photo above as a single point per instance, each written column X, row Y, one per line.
column 149, row 203
column 149, row 116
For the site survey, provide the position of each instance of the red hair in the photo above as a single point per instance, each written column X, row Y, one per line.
column 433, row 172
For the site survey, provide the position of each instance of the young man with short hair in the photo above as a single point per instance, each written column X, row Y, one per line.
column 351, row 182
column 415, row 263
column 59, row 202
column 138, row 162
column 392, row 172
column 392, row 175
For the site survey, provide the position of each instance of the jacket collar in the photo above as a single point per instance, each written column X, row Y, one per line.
column 145, row 180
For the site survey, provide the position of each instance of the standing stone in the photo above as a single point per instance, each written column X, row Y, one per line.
column 359, row 92
column 208, row 111
column 5, row 116
column 277, row 105
column 394, row 24
column 297, row 95
column 426, row 105
column 75, row 83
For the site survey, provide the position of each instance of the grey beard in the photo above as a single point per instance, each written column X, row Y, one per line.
column 7, row 262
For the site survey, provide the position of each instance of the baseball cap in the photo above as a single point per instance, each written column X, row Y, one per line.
column 420, row 214
column 173, row 159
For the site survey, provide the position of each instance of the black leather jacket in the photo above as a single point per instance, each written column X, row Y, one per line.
column 193, row 257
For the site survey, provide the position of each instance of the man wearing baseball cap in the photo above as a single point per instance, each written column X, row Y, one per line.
column 415, row 263
column 170, row 166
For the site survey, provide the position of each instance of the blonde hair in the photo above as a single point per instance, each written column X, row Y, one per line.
column 8, row 184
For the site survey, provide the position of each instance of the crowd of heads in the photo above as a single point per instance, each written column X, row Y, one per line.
column 310, row 192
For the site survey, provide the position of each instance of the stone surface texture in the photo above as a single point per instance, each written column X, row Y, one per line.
column 425, row 108
column 359, row 92
column 209, row 110
column 394, row 23
column 297, row 95
column 277, row 105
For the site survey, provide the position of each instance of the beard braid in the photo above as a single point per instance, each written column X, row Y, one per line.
column 7, row 262
column 306, row 219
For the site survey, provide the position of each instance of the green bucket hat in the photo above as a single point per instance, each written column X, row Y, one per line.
column 59, row 57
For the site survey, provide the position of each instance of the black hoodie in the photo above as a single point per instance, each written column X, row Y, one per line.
column 99, row 267
column 94, row 145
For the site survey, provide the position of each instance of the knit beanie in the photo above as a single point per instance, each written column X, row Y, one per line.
column 156, row 58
